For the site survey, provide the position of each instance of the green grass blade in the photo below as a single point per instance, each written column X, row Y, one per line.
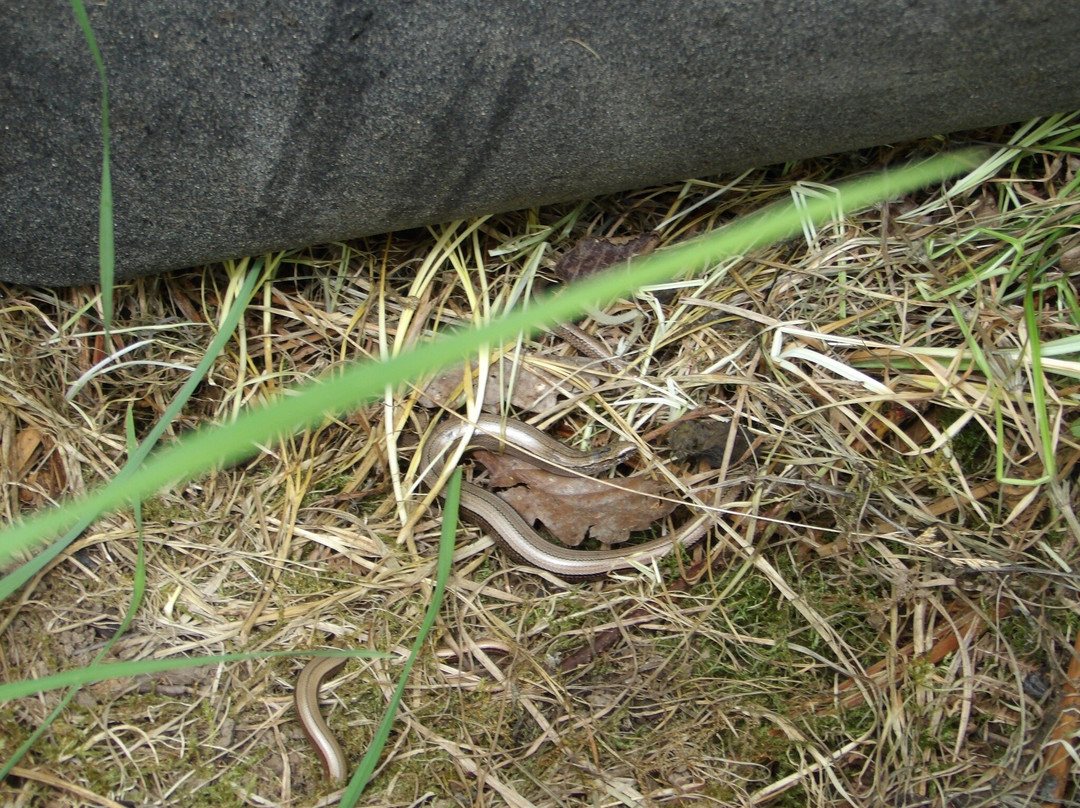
column 1038, row 379
column 367, row 765
column 106, row 250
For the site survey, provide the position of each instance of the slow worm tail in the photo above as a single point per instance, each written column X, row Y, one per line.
column 311, row 719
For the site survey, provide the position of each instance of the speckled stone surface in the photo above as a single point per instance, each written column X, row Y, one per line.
column 244, row 127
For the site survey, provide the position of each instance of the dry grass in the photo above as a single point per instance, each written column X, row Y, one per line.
column 883, row 617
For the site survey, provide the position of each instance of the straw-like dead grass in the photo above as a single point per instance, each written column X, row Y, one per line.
column 884, row 615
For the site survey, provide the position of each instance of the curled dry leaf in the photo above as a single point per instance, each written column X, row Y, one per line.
column 35, row 466
column 576, row 508
column 24, row 450
column 706, row 440
column 533, row 389
column 591, row 255
column 1069, row 259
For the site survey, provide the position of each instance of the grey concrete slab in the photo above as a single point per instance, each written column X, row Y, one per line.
column 245, row 127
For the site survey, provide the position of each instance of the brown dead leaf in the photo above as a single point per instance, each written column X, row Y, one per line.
column 591, row 255
column 24, row 450
column 35, row 466
column 576, row 508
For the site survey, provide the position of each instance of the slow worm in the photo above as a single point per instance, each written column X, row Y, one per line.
column 506, row 526
column 509, row 530
column 306, row 696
